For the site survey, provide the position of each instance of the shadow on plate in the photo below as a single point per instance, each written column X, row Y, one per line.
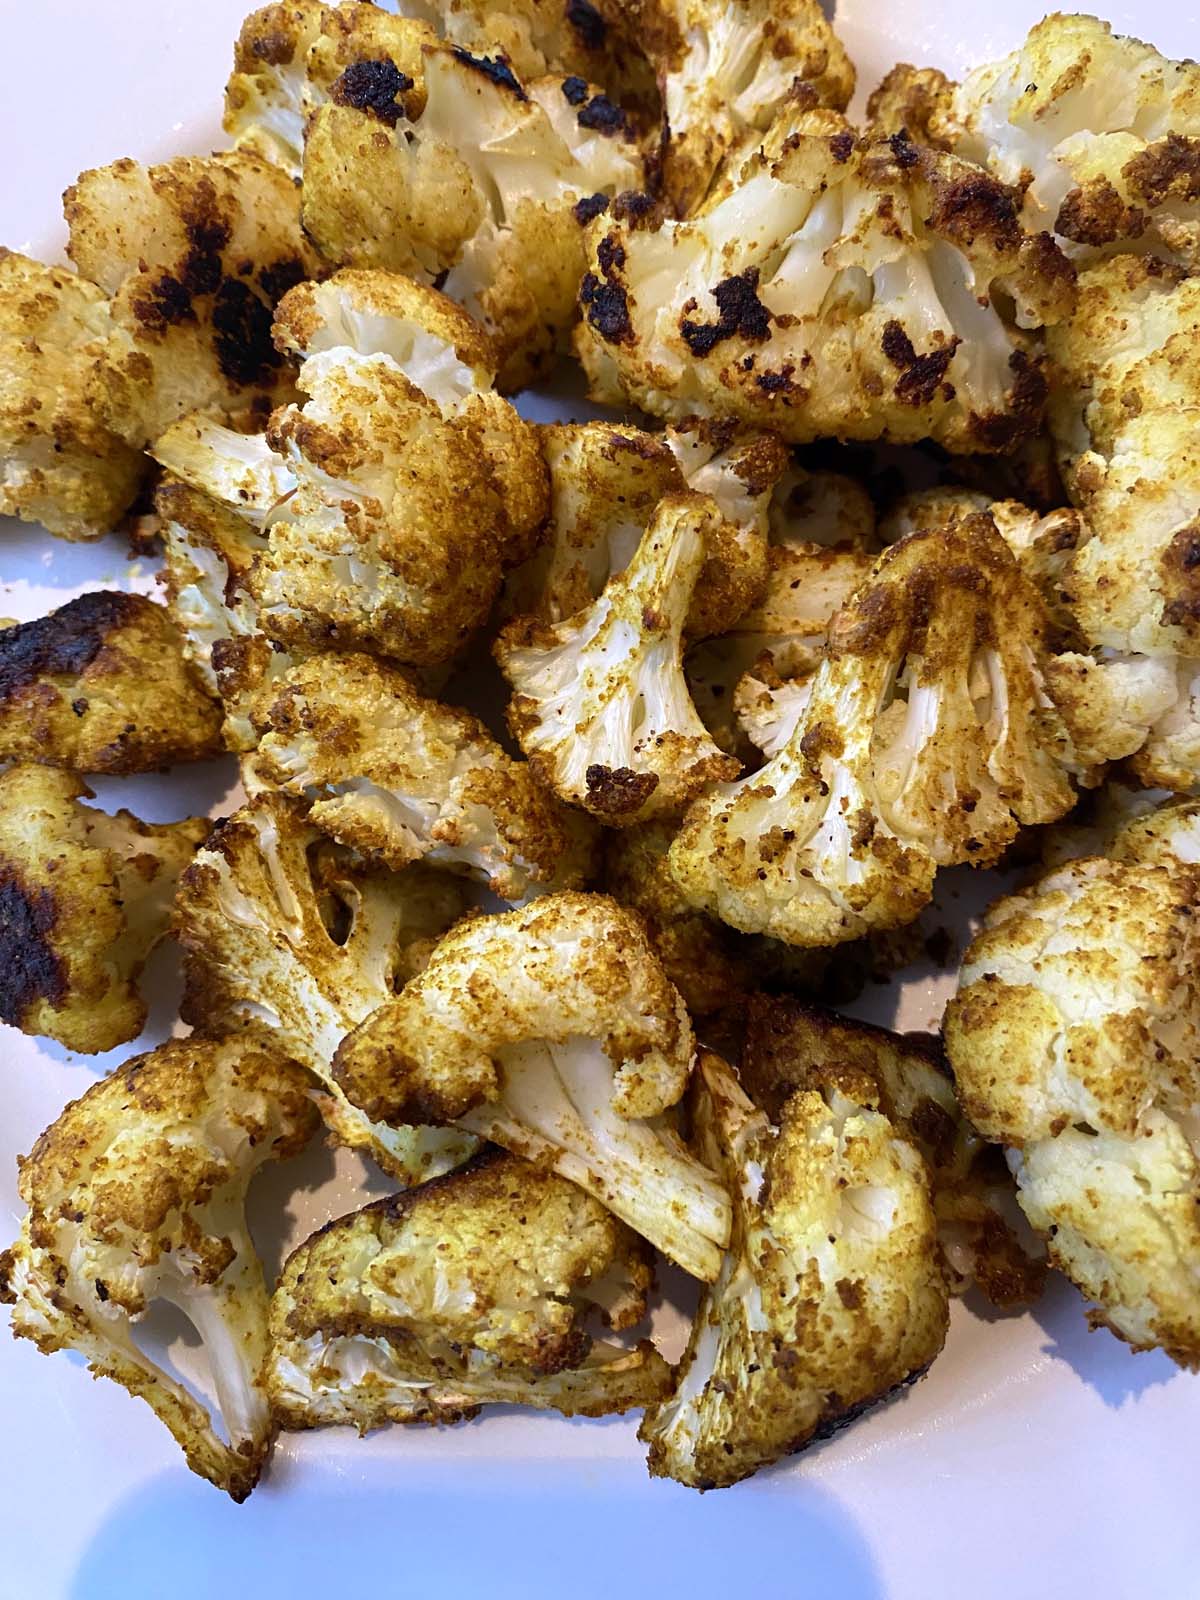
column 1098, row 1357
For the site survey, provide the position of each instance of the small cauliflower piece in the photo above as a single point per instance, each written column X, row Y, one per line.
column 84, row 898
column 833, row 286
column 926, row 740
column 1074, row 1038
column 473, row 1289
column 297, row 946
column 791, row 1047
column 600, row 703
column 401, row 778
column 477, row 189
column 61, row 462
column 102, row 685
column 137, row 1194
column 554, row 1032
column 194, row 253
column 831, row 1294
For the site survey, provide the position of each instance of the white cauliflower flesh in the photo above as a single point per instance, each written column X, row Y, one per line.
column 1074, row 1038
column 476, row 188
column 554, row 1032
column 473, row 1289
column 401, row 778
column 600, row 703
column 834, row 286
column 137, row 1194
column 926, row 740
column 84, row 898
column 298, row 947
column 831, row 1294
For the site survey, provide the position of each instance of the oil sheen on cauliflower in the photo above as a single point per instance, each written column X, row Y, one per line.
column 554, row 1032
column 831, row 1294
column 137, row 1194
column 470, row 1290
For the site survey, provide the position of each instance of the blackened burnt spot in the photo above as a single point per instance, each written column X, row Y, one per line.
column 841, row 146
column 776, row 382
column 575, row 90
column 741, row 312
column 493, row 67
column 32, row 970
column 602, row 115
column 904, row 150
column 610, row 253
column 166, row 303
column 588, row 24
column 375, row 87
column 607, row 309
column 281, row 276
column 202, row 265
column 276, row 48
column 589, row 209
column 63, row 644
column 616, row 791
column 242, row 336
column 635, row 206
column 919, row 375
column 1000, row 430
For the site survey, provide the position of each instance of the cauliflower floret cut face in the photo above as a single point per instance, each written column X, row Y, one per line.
column 84, row 898
column 831, row 1294
column 472, row 1289
column 554, row 1032
column 136, row 1194
column 600, row 703
column 833, row 287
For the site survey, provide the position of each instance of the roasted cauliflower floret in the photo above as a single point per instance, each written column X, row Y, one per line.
column 1074, row 1038
column 790, row 1047
column 477, row 188
column 297, row 945
column 554, row 1032
column 600, row 703
column 401, row 778
column 831, row 1294
column 926, row 740
column 137, row 1194
column 84, row 898
column 194, row 254
column 101, row 685
column 473, row 1289
column 833, row 287
column 61, row 463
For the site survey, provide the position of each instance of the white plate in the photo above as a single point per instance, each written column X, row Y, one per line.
column 1037, row 1459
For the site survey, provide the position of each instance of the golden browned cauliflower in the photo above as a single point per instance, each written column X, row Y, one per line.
column 926, row 740
column 61, row 463
column 600, row 703
column 831, row 1294
column 554, row 1032
column 1074, row 1039
column 985, row 1241
column 1098, row 134
column 101, row 685
column 832, row 286
column 474, row 1289
column 136, row 1194
column 84, row 898
column 296, row 940
column 194, row 253
column 400, row 778
column 436, row 190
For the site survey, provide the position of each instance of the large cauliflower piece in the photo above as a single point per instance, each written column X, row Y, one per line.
column 1074, row 1039
column 194, row 254
column 298, row 944
column 554, row 1032
column 926, row 740
column 61, row 463
column 791, row 1047
column 473, row 1289
column 600, row 702
column 101, row 685
column 831, row 1294
column 477, row 187
column 84, row 898
column 136, row 1194
column 832, row 286
column 400, row 778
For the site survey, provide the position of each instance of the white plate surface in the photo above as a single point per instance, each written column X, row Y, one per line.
column 1037, row 1459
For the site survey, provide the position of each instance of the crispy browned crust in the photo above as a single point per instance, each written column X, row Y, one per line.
column 908, row 101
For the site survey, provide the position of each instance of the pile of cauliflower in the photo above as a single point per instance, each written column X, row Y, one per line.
column 562, row 962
